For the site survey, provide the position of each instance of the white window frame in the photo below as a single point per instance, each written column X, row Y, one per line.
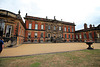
column 48, row 36
column 68, row 29
column 36, row 26
column 36, row 35
column 49, row 27
column 8, row 26
column 30, row 26
column 54, row 27
column 69, row 36
column 41, row 35
column 76, row 36
column 42, row 27
column 72, row 29
column 80, row 36
column 60, row 28
column 65, row 36
column 29, row 34
column 64, row 28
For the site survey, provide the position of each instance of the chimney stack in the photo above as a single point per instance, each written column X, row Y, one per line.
column 90, row 26
column 26, row 15
column 93, row 25
column 85, row 26
column 19, row 12
column 54, row 17
column 46, row 17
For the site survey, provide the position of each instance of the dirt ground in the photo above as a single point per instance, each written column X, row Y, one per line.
column 30, row 49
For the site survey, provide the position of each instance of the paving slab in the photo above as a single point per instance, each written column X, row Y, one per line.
column 42, row 48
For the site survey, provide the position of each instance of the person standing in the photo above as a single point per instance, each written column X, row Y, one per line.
column 1, row 44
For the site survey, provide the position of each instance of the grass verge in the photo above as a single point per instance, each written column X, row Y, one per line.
column 83, row 58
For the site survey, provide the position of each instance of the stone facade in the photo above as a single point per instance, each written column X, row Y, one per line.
column 11, row 28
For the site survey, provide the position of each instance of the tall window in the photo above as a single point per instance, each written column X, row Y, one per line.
column 48, row 35
column 65, row 28
column 69, row 36
column 30, row 26
column 98, row 35
column 20, row 31
column 65, row 36
column 29, row 35
column 49, row 27
column 36, row 26
column 59, row 28
column 8, row 30
column 41, row 26
column 85, row 36
column 72, row 29
column 60, row 35
column 80, row 36
column 41, row 35
column 35, row 35
column 76, row 36
column 73, row 36
column 90, row 35
column 54, row 28
column 68, row 29
column 2, row 25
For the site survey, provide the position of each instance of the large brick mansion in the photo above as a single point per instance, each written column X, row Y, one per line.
column 36, row 29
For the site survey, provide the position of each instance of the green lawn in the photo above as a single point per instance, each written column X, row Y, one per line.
column 83, row 58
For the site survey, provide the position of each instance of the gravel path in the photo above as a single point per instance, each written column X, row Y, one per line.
column 30, row 49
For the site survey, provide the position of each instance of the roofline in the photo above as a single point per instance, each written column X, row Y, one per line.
column 47, row 20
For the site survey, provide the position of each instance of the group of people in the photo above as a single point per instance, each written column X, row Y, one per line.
column 1, row 44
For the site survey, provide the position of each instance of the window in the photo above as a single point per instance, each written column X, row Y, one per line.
column 65, row 36
column 41, row 35
column 90, row 35
column 80, row 36
column 20, row 31
column 69, row 36
column 36, row 26
column 98, row 35
column 29, row 35
column 65, row 28
column 8, row 30
column 48, row 27
column 73, row 36
column 54, row 28
column 68, row 29
column 59, row 28
column 48, row 35
column 76, row 36
column 35, row 35
column 85, row 36
column 60, row 35
column 30, row 26
column 41, row 26
column 72, row 29
column 2, row 26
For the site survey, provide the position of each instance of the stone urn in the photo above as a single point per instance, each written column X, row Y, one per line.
column 89, row 43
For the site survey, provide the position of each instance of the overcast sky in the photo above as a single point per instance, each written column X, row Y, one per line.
column 77, row 11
